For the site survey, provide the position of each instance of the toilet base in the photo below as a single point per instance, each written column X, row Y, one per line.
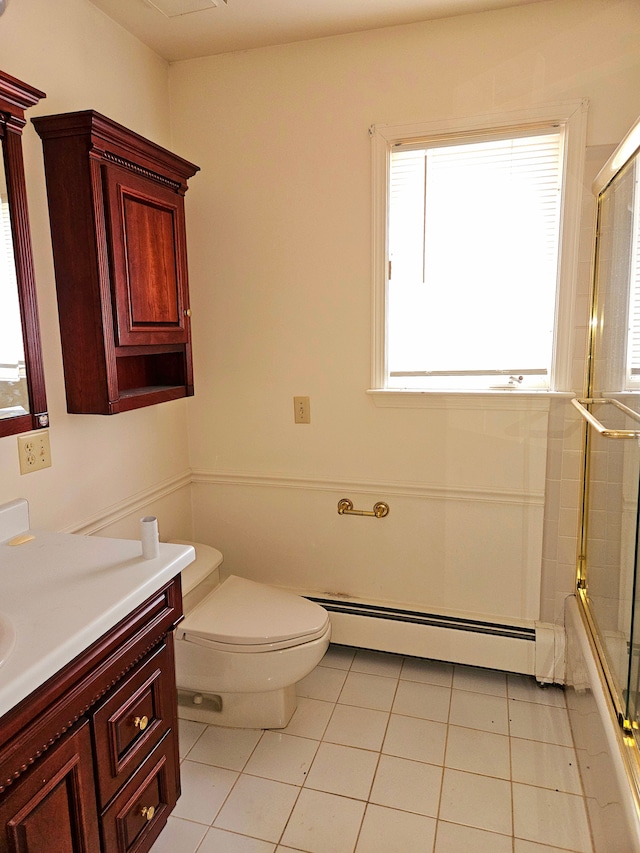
column 270, row 710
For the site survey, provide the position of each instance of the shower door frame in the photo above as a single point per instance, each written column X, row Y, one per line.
column 629, row 731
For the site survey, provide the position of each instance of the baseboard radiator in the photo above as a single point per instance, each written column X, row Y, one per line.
column 537, row 650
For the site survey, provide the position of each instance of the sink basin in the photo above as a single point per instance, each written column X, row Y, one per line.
column 7, row 637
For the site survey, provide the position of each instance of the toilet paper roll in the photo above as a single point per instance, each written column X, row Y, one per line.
column 149, row 537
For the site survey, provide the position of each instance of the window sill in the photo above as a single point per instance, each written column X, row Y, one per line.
column 421, row 399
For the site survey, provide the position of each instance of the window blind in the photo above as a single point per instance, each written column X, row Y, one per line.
column 473, row 236
column 633, row 346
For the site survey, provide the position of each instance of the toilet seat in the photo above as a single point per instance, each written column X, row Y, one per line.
column 244, row 616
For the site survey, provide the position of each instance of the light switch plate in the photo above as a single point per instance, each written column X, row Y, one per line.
column 301, row 410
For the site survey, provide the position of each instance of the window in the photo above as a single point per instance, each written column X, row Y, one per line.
column 476, row 240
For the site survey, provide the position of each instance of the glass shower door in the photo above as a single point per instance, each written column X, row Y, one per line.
column 608, row 575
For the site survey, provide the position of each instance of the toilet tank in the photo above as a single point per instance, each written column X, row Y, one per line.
column 201, row 576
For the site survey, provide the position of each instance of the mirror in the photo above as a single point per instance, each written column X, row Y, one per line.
column 14, row 395
column 23, row 405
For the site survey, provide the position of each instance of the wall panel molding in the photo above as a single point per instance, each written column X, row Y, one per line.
column 134, row 503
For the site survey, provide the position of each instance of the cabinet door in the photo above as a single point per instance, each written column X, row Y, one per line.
column 53, row 807
column 145, row 221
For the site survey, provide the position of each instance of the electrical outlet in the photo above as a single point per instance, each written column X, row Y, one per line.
column 34, row 451
column 301, row 410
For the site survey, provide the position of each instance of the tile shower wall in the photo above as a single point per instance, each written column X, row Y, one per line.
column 565, row 451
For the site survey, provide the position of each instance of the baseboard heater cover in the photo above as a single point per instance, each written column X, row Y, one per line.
column 433, row 619
column 429, row 635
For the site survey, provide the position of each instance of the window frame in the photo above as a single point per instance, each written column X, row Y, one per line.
column 572, row 117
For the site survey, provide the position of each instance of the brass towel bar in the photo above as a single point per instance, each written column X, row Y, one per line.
column 345, row 507
column 580, row 404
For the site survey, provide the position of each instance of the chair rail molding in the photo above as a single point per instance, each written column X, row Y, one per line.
column 126, row 507
column 400, row 488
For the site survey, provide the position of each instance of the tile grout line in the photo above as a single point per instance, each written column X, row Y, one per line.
column 380, row 753
column 444, row 758
column 321, row 740
column 513, row 806
column 301, row 787
column 232, row 788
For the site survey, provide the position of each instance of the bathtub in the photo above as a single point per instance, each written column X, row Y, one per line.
column 606, row 763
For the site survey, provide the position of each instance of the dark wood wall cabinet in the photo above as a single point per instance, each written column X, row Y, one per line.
column 116, row 209
column 89, row 761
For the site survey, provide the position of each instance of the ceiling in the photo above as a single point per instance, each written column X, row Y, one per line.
column 185, row 29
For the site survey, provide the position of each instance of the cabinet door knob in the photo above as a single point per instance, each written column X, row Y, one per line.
column 148, row 812
column 141, row 723
column 187, row 312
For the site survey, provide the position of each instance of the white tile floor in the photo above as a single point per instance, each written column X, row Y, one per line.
column 386, row 754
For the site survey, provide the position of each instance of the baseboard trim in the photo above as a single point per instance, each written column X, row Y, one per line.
column 427, row 635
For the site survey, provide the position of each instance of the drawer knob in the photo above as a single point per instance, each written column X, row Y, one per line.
column 148, row 812
column 141, row 723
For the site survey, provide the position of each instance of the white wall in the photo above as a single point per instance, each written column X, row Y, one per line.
column 279, row 240
column 280, row 258
column 83, row 60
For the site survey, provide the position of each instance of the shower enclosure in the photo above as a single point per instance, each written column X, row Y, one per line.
column 608, row 583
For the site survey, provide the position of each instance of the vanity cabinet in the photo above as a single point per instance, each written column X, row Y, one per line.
column 89, row 761
column 116, row 209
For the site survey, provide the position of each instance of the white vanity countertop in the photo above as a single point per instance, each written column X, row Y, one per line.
column 62, row 591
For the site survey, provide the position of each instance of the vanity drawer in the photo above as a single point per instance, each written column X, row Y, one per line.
column 133, row 719
column 137, row 814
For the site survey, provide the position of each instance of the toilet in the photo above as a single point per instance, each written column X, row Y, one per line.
column 242, row 646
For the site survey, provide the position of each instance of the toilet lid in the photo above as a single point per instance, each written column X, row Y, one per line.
column 244, row 613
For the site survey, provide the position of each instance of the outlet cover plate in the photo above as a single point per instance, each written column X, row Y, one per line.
column 34, row 451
